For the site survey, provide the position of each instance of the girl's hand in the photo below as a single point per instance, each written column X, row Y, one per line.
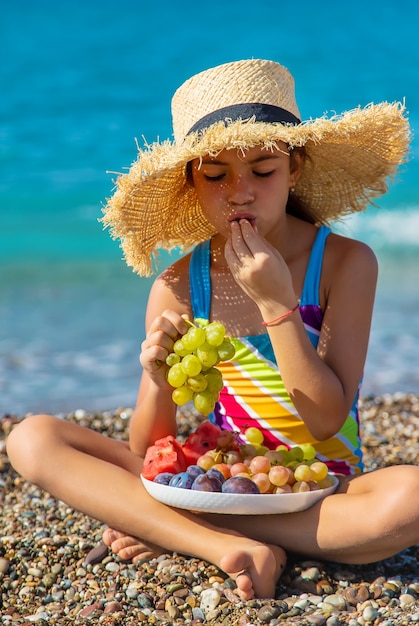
column 161, row 335
column 257, row 267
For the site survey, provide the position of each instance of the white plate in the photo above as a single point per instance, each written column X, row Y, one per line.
column 236, row 503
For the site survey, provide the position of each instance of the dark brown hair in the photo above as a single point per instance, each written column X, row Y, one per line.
column 295, row 206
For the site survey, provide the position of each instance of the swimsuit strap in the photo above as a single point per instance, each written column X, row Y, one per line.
column 200, row 281
column 311, row 288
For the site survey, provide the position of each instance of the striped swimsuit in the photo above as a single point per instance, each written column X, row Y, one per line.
column 254, row 393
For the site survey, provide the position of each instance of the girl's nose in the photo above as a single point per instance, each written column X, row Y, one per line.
column 240, row 191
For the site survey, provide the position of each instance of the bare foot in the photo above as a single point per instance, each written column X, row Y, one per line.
column 255, row 570
column 129, row 548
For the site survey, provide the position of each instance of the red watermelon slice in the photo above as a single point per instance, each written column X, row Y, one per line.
column 166, row 455
column 204, row 438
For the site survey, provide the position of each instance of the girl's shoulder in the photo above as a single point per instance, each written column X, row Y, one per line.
column 341, row 249
column 171, row 287
column 348, row 262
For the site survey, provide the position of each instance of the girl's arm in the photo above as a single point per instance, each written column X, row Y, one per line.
column 155, row 412
column 322, row 383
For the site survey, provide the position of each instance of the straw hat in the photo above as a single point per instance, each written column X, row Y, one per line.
column 237, row 106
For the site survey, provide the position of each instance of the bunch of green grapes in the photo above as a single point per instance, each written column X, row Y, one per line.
column 192, row 365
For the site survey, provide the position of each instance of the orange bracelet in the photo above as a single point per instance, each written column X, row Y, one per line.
column 282, row 317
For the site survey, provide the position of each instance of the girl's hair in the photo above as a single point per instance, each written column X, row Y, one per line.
column 295, row 206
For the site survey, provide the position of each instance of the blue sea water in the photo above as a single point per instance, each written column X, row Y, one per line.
column 79, row 82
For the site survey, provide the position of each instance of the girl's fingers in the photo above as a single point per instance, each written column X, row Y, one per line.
column 169, row 323
column 161, row 335
column 238, row 243
column 246, row 241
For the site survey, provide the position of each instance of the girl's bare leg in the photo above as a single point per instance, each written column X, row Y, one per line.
column 371, row 517
column 100, row 477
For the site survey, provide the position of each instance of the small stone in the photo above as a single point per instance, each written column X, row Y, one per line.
column 145, row 601
column 48, row 580
column 96, row 555
column 113, row 607
column 323, row 587
column 356, row 595
column 171, row 588
column 315, row 619
column 333, row 620
column 231, row 596
column 311, row 573
column 213, row 580
column 406, row 599
column 197, row 614
column 173, row 611
column 302, row 603
column 4, row 566
column 92, row 608
column 268, row 613
column 112, row 567
column 210, row 599
column 337, row 601
column 35, row 572
column 370, row 613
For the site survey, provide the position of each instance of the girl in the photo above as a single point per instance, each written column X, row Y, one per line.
column 251, row 189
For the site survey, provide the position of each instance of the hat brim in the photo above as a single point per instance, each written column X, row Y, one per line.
column 349, row 161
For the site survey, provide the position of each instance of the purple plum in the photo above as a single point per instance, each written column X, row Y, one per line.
column 203, row 482
column 240, row 484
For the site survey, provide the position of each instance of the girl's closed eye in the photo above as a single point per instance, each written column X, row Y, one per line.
column 263, row 174
column 214, row 177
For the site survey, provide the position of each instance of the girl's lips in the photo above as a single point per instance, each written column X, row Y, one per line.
column 238, row 218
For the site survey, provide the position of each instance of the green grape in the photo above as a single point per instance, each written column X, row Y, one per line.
column 197, row 383
column 200, row 321
column 191, row 365
column 192, row 370
column 214, row 380
column 296, row 454
column 172, row 359
column 309, row 451
column 319, row 470
column 176, row 377
column 208, row 355
column 215, row 333
column 180, row 349
column 204, row 402
column 226, row 351
column 193, row 338
column 182, row 395
column 303, row 473
column 254, row 436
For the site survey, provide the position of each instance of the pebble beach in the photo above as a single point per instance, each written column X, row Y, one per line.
column 54, row 569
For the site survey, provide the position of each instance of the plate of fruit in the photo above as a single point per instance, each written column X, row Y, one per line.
column 216, row 471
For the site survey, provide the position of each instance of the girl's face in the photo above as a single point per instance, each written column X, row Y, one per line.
column 252, row 185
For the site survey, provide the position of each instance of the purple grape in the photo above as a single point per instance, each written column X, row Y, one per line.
column 195, row 470
column 182, row 480
column 164, row 478
column 203, row 482
column 240, row 484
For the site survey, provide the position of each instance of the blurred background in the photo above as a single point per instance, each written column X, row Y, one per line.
column 79, row 83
